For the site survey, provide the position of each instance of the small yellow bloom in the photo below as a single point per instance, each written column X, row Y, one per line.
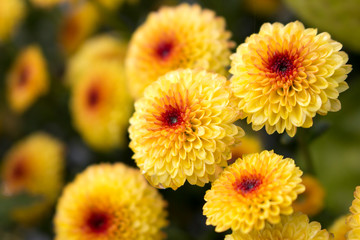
column 284, row 75
column 353, row 221
column 183, row 127
column 310, row 202
column 77, row 25
column 293, row 227
column 252, row 191
column 104, row 48
column 34, row 165
column 110, row 202
column 27, row 79
column 11, row 13
column 101, row 106
column 248, row 144
column 339, row 228
column 176, row 37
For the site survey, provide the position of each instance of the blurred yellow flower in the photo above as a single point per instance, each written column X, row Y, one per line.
column 183, row 127
column 47, row 3
column 353, row 221
column 284, row 75
column 78, row 24
column 176, row 37
column 248, row 144
column 310, row 202
column 27, row 79
column 96, row 50
column 34, row 165
column 339, row 228
column 101, row 106
column 293, row 227
column 11, row 13
column 110, row 202
column 255, row 189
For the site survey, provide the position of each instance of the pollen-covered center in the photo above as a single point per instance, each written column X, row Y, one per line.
column 281, row 64
column 98, row 222
column 93, row 96
column 247, row 184
column 172, row 117
column 164, row 49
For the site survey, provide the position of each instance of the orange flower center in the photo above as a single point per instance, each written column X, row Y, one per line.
column 93, row 97
column 164, row 49
column 281, row 64
column 19, row 171
column 24, row 76
column 247, row 184
column 98, row 222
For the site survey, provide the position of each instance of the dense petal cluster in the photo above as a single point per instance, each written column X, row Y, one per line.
column 176, row 37
column 11, row 13
column 284, row 75
column 101, row 106
column 248, row 144
column 353, row 221
column 27, row 79
column 293, row 227
column 110, row 202
column 339, row 228
column 183, row 128
column 34, row 165
column 252, row 191
column 103, row 48
column 79, row 23
column 310, row 202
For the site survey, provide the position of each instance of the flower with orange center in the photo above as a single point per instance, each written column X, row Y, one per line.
column 293, row 227
column 339, row 228
column 27, row 79
column 310, row 202
column 176, row 37
column 183, row 127
column 255, row 189
column 110, row 202
column 104, row 48
column 101, row 106
column 11, row 13
column 353, row 221
column 79, row 23
column 34, row 166
column 248, row 144
column 284, row 75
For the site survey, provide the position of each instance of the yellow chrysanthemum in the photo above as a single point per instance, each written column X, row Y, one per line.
column 101, row 106
column 339, row 228
column 11, row 13
column 310, row 202
column 251, row 191
column 284, row 75
column 27, row 79
column 104, row 48
column 35, row 166
column 248, row 144
column 77, row 25
column 293, row 227
column 47, row 3
column 353, row 221
column 183, row 127
column 110, row 202
column 176, row 37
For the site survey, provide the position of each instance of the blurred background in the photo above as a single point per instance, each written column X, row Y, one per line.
column 332, row 145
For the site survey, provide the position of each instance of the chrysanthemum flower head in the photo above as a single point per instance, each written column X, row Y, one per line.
column 35, row 166
column 353, row 221
column 27, row 79
column 183, row 127
column 104, row 48
column 176, row 37
column 101, row 106
column 11, row 13
column 248, row 144
column 110, row 202
column 80, row 22
column 284, row 75
column 255, row 189
column 339, row 228
column 293, row 227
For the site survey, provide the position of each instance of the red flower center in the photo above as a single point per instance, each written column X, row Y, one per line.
column 93, row 97
column 98, row 222
column 172, row 117
column 23, row 76
column 248, row 184
column 281, row 64
column 163, row 49
column 19, row 170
